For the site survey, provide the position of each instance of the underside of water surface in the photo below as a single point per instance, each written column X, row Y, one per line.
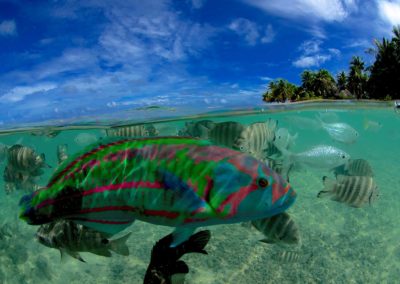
column 339, row 243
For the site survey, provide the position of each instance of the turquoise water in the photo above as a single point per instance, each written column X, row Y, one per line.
column 339, row 244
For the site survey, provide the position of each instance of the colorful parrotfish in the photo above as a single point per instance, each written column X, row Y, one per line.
column 173, row 181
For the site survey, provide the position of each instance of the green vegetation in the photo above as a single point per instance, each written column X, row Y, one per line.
column 378, row 81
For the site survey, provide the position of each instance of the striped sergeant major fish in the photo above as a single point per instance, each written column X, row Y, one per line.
column 226, row 133
column 25, row 159
column 62, row 153
column 165, row 266
column 128, row 131
column 255, row 139
column 198, row 129
column 355, row 191
column 279, row 228
column 71, row 238
column 179, row 182
column 287, row 256
column 356, row 167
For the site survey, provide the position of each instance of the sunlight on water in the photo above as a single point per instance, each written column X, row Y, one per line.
column 348, row 244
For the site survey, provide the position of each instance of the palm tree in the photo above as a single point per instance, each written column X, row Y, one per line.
column 341, row 80
column 385, row 72
column 357, row 80
column 280, row 91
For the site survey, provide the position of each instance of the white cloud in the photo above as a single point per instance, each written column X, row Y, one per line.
column 310, row 10
column 313, row 55
column 251, row 32
column 310, row 46
column 311, row 61
column 8, row 28
column 390, row 11
column 19, row 93
column 197, row 4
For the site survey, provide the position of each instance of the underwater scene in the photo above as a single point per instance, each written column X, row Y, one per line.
column 299, row 194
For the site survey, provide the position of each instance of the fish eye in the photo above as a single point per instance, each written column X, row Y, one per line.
column 262, row 182
column 343, row 156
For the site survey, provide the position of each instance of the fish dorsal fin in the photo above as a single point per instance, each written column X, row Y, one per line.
column 180, row 267
column 181, row 234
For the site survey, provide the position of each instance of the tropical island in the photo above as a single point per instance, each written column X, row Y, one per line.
column 380, row 81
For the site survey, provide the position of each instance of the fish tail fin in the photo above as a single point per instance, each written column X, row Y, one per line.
column 329, row 185
column 25, row 204
column 197, row 242
column 119, row 245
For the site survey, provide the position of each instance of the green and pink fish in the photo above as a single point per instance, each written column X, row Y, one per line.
column 173, row 181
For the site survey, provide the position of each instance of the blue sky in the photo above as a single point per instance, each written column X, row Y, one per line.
column 61, row 59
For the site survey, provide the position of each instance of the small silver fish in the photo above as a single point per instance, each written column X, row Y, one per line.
column 226, row 133
column 84, row 139
column 62, row 153
column 128, row 131
column 279, row 228
column 371, row 125
column 356, row 167
column 283, row 139
column 356, row 191
column 319, row 157
column 341, row 132
column 71, row 238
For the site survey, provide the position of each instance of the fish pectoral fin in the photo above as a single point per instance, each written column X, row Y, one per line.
column 180, row 235
column 180, row 267
column 102, row 252
column 119, row 245
column 74, row 254
column 267, row 241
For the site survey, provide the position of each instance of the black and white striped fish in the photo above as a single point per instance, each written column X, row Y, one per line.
column 279, row 228
column 226, row 133
column 255, row 139
column 356, row 167
column 25, row 159
column 62, row 153
column 287, row 256
column 355, row 191
column 127, row 131
column 197, row 129
column 71, row 238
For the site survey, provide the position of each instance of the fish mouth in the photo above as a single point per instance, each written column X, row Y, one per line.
column 288, row 199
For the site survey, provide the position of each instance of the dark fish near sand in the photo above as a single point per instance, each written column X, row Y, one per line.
column 226, row 133
column 48, row 132
column 355, row 191
column 165, row 264
column 62, row 153
column 25, row 159
column 128, row 131
column 71, row 238
column 278, row 229
column 356, row 167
